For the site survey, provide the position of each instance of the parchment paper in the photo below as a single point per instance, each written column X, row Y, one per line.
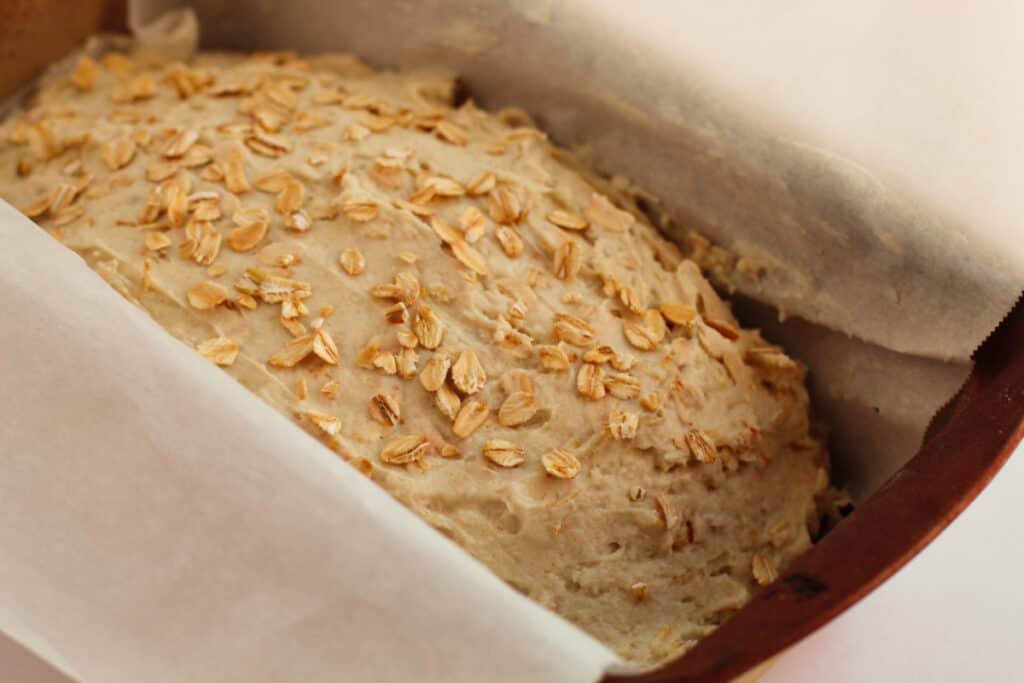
column 808, row 231
column 162, row 524
column 838, row 245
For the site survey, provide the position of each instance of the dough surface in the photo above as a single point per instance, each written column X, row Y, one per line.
column 487, row 329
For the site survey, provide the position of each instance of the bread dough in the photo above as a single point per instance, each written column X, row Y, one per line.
column 485, row 327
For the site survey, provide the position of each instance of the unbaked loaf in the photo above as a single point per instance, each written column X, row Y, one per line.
column 487, row 329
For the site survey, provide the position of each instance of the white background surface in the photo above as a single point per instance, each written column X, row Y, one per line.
column 953, row 614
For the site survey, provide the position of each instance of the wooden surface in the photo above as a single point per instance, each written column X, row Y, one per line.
column 967, row 444
column 34, row 33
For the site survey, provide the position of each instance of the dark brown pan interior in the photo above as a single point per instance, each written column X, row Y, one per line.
column 34, row 33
